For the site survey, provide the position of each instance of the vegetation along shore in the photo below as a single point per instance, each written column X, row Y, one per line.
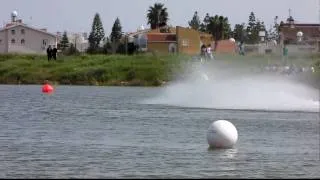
column 116, row 70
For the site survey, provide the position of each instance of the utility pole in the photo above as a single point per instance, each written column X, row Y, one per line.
column 158, row 18
column 126, row 42
column 75, row 41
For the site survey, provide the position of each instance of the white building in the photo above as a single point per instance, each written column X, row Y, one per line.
column 17, row 37
column 79, row 40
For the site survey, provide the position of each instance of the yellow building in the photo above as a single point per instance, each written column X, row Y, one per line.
column 177, row 40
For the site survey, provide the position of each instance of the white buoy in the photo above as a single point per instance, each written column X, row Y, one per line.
column 222, row 134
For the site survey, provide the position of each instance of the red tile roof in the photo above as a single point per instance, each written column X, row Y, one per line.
column 161, row 37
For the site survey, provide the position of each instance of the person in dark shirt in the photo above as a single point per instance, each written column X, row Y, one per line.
column 49, row 53
column 54, row 52
column 203, row 51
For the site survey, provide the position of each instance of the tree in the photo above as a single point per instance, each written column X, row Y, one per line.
column 257, row 28
column 250, row 27
column 224, row 28
column 219, row 27
column 116, row 34
column 253, row 29
column 157, row 16
column 72, row 50
column 195, row 22
column 204, row 25
column 96, row 34
column 239, row 32
column 107, row 47
column 274, row 31
column 64, row 43
column 252, row 21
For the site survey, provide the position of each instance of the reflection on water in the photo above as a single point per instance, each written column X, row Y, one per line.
column 224, row 153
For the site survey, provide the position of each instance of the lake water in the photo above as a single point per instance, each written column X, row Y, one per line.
column 113, row 132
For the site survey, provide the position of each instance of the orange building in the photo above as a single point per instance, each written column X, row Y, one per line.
column 182, row 40
column 310, row 32
column 299, row 33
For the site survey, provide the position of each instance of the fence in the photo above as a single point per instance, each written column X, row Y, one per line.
column 293, row 49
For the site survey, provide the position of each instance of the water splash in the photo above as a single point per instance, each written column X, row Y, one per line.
column 231, row 88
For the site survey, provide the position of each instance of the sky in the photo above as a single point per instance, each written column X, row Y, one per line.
column 77, row 15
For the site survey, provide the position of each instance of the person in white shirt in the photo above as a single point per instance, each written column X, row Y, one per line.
column 209, row 52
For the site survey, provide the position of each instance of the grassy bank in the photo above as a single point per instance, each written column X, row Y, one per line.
column 137, row 70
column 140, row 70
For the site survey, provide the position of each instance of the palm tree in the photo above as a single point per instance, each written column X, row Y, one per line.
column 219, row 27
column 213, row 26
column 157, row 16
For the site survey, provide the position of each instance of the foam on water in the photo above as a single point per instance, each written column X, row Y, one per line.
column 216, row 89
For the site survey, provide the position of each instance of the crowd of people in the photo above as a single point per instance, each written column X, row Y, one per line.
column 52, row 53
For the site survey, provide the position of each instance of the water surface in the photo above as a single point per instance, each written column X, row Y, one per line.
column 111, row 132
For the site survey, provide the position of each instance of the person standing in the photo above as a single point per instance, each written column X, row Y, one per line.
column 209, row 52
column 241, row 48
column 285, row 54
column 49, row 52
column 203, row 51
column 54, row 52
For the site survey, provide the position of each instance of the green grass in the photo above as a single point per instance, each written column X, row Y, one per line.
column 136, row 70
column 146, row 70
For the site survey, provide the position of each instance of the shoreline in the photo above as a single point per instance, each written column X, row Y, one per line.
column 122, row 84
column 144, row 70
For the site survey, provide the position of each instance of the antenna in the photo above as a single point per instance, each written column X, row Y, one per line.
column 289, row 12
column 30, row 21
column 319, row 13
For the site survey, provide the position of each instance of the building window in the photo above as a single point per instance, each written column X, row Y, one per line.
column 13, row 41
column 13, row 32
column 185, row 42
column 44, row 43
column 0, row 41
column 22, row 31
column 22, row 41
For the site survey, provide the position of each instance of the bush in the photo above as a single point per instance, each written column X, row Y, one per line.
column 131, row 75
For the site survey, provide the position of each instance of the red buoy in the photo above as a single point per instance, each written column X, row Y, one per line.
column 47, row 88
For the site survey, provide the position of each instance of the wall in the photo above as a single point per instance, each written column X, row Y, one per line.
column 161, row 47
column 302, row 49
column 310, row 32
column 225, row 46
column 33, row 40
column 3, row 43
column 206, row 39
column 188, row 41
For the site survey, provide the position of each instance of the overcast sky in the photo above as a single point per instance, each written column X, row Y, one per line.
column 77, row 15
